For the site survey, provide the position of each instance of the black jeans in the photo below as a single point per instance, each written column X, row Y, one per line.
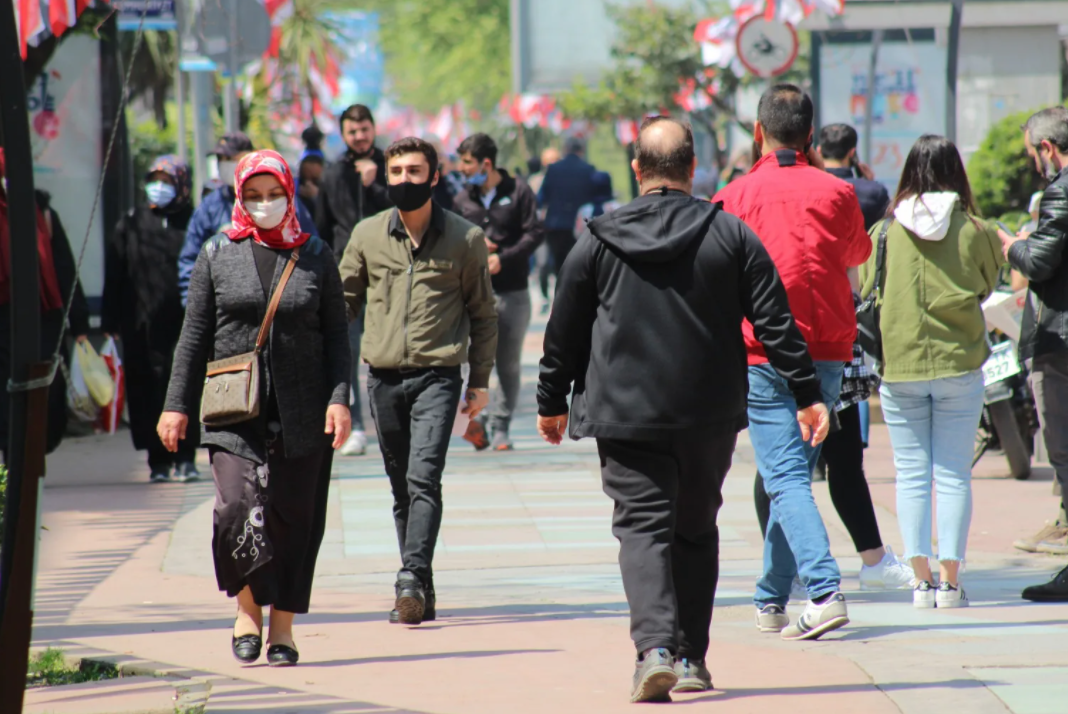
column 843, row 452
column 560, row 244
column 667, row 495
column 414, row 412
column 159, row 459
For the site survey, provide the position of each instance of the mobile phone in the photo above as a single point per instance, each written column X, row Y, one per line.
column 1005, row 228
column 854, row 164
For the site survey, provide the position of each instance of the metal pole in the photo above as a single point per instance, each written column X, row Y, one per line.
column 233, row 118
column 20, row 522
column 869, row 99
column 201, row 97
column 952, row 52
column 516, row 23
column 179, row 81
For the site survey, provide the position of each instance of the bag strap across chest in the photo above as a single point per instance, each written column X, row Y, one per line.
column 276, row 297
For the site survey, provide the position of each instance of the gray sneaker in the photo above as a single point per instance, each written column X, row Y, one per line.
column 818, row 620
column 772, row 618
column 654, row 677
column 693, row 676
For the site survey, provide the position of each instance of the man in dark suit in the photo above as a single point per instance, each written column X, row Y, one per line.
column 568, row 184
column 838, row 147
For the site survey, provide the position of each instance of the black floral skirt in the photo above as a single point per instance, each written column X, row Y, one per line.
column 269, row 523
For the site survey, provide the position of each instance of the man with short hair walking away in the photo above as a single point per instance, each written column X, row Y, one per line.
column 647, row 327
column 505, row 208
column 567, row 186
column 811, row 225
column 421, row 270
column 1039, row 256
column 838, row 149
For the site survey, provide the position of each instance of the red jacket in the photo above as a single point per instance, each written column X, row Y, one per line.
column 811, row 224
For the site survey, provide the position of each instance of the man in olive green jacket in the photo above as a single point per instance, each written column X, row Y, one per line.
column 423, row 273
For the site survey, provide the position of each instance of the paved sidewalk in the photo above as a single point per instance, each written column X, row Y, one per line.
column 532, row 613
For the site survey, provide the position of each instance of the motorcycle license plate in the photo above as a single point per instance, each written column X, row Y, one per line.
column 1001, row 365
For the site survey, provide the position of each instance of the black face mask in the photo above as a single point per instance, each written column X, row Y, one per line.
column 410, row 196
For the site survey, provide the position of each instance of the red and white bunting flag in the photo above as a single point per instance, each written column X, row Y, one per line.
column 30, row 22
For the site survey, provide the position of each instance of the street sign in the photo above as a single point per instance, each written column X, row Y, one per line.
column 159, row 14
column 251, row 31
column 767, row 48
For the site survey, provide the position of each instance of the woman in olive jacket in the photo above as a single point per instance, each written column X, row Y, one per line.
column 941, row 262
column 272, row 472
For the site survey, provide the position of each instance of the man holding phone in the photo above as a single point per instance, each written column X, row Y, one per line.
column 838, row 149
column 1039, row 257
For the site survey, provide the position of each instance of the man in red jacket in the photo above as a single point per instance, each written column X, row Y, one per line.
column 812, row 226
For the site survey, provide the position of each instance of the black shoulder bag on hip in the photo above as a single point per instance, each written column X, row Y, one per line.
column 869, row 337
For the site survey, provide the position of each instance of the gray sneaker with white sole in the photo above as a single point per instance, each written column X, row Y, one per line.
column 654, row 677
column 772, row 618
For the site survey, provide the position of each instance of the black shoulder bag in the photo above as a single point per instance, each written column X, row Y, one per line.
column 869, row 337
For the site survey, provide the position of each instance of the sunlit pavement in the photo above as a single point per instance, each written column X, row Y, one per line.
column 532, row 616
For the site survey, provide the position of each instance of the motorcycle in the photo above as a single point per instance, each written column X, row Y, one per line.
column 1009, row 420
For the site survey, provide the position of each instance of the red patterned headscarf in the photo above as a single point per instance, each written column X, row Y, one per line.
column 286, row 234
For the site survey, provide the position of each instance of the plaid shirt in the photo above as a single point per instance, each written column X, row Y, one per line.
column 857, row 381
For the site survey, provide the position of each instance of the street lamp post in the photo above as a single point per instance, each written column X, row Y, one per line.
column 25, row 451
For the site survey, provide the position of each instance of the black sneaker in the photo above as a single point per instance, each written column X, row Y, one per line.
column 654, row 677
column 411, row 599
column 429, row 609
column 160, row 476
column 186, row 472
column 1055, row 590
column 693, row 675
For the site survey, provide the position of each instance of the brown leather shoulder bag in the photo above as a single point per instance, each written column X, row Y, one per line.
column 232, row 387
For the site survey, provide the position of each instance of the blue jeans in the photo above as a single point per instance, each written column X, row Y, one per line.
column 796, row 542
column 932, row 429
column 355, row 407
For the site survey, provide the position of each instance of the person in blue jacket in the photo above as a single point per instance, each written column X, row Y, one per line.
column 213, row 213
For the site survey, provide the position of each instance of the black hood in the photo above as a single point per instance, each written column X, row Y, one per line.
column 655, row 228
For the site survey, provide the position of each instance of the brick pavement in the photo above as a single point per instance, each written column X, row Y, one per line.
column 532, row 614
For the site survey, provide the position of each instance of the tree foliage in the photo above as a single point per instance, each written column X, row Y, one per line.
column 653, row 53
column 1003, row 177
column 438, row 53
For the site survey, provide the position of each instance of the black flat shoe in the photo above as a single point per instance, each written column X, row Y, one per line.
column 247, row 648
column 282, row 656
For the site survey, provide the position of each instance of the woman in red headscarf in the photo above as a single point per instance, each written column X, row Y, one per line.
column 271, row 472
column 58, row 276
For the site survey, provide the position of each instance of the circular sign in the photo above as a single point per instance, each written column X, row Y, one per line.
column 767, row 48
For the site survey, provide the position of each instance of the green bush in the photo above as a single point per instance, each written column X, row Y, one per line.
column 50, row 668
column 1002, row 175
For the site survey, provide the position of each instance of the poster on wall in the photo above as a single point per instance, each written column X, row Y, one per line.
column 909, row 97
column 64, row 107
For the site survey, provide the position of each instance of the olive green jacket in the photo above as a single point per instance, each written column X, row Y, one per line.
column 931, row 315
column 424, row 309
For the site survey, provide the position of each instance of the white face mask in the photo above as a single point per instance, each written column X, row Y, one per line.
column 227, row 169
column 268, row 214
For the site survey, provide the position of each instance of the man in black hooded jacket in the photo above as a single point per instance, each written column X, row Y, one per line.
column 647, row 327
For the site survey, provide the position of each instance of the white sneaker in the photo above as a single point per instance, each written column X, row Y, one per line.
column 949, row 596
column 923, row 596
column 818, row 620
column 890, row 573
column 355, row 445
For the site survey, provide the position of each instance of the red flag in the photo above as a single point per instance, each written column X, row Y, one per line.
column 30, row 22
